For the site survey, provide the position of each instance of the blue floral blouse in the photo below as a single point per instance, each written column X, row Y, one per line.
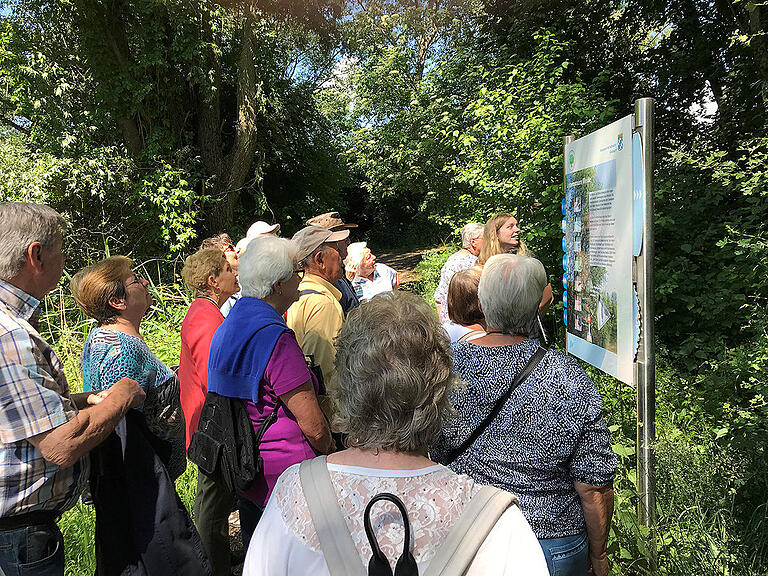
column 550, row 434
column 109, row 355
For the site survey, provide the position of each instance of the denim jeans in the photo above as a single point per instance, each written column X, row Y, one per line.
column 32, row 550
column 567, row 556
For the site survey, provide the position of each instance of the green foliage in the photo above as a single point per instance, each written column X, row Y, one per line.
column 509, row 139
column 106, row 197
column 712, row 249
column 429, row 271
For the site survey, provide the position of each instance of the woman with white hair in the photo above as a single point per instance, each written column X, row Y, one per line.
column 394, row 379
column 255, row 357
column 368, row 277
column 541, row 437
column 471, row 243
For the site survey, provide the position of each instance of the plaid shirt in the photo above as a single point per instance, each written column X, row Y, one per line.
column 34, row 398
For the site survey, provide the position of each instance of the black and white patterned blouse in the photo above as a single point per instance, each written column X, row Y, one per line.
column 550, row 434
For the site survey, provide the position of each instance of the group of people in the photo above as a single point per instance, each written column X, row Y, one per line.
column 353, row 389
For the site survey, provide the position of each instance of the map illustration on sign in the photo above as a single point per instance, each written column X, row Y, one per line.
column 598, row 249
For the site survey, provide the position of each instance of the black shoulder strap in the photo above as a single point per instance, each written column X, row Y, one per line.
column 519, row 379
column 309, row 291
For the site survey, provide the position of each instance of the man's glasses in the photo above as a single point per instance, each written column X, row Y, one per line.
column 136, row 280
column 299, row 273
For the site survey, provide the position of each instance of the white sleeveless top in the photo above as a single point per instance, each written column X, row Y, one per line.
column 285, row 542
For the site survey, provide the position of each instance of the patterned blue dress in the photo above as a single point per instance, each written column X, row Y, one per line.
column 550, row 434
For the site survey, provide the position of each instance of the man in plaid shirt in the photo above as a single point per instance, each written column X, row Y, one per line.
column 45, row 432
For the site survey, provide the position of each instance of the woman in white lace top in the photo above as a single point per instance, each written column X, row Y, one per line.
column 395, row 376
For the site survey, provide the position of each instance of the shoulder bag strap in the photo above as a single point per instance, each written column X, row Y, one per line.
column 459, row 549
column 309, row 291
column 339, row 550
column 519, row 379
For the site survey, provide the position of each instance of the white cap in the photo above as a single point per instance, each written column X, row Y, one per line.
column 260, row 228
column 243, row 244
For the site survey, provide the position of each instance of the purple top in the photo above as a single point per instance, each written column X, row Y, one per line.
column 283, row 444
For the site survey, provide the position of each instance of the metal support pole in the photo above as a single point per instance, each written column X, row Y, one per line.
column 645, row 374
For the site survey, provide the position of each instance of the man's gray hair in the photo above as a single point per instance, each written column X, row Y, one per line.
column 21, row 224
column 308, row 262
column 268, row 260
column 470, row 232
column 510, row 291
column 395, row 374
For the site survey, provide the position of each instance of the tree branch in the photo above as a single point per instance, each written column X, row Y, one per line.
column 15, row 126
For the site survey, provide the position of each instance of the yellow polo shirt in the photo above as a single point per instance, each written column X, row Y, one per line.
column 316, row 319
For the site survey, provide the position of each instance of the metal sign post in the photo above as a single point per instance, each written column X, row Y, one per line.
column 645, row 367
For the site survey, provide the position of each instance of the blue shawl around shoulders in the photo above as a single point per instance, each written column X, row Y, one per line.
column 241, row 348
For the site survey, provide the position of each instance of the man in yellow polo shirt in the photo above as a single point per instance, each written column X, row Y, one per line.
column 317, row 317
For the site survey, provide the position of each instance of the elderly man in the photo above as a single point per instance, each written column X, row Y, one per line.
column 45, row 432
column 471, row 242
column 333, row 222
column 317, row 317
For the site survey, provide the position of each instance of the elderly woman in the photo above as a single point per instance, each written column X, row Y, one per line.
column 211, row 280
column 501, row 235
column 224, row 243
column 394, row 379
column 367, row 276
column 549, row 444
column 113, row 294
column 466, row 257
column 232, row 253
column 466, row 319
column 255, row 357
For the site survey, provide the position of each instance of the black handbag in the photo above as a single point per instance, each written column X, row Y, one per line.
column 225, row 445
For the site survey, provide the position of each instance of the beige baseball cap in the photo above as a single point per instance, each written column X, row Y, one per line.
column 311, row 238
column 330, row 220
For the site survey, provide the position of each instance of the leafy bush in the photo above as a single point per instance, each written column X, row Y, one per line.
column 108, row 201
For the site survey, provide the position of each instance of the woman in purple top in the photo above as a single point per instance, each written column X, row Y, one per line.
column 255, row 356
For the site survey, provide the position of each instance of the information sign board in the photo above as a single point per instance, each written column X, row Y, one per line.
column 600, row 303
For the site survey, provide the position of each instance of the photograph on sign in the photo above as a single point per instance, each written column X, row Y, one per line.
column 598, row 245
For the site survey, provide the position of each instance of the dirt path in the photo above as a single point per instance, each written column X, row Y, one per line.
column 404, row 262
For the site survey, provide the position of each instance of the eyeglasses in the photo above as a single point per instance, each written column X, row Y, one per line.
column 136, row 279
column 231, row 248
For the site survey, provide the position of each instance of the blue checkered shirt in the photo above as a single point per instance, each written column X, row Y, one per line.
column 34, row 398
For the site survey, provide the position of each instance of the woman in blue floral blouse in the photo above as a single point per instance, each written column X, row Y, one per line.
column 549, row 444
column 118, row 299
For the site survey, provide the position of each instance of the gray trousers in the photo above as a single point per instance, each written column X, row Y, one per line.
column 213, row 504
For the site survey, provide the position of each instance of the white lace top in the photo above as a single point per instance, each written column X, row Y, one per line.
column 285, row 542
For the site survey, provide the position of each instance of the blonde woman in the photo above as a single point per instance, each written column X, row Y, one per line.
column 502, row 236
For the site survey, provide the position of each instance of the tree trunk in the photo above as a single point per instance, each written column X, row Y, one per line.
column 237, row 165
column 759, row 44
